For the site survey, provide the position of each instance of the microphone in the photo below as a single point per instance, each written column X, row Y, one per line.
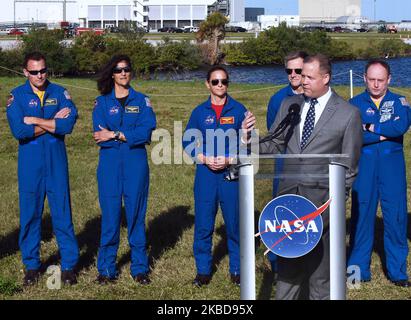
column 291, row 117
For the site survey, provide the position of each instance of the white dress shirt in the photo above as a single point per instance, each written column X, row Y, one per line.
column 319, row 108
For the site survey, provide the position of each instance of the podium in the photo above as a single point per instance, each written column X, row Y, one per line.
column 327, row 170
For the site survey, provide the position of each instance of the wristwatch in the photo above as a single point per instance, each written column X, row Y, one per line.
column 117, row 135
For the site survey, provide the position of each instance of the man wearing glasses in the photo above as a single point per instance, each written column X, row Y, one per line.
column 293, row 67
column 211, row 139
column 40, row 114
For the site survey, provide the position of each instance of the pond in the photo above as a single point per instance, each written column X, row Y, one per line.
column 274, row 74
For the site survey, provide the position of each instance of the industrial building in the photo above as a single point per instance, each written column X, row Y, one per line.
column 326, row 11
column 251, row 14
column 268, row 21
column 151, row 14
column 155, row 14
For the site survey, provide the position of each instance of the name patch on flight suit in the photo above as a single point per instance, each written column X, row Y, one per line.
column 50, row 102
column 386, row 111
column 227, row 120
column 132, row 109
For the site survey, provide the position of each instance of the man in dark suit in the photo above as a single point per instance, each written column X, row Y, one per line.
column 327, row 124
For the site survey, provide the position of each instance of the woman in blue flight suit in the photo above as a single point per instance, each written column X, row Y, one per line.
column 123, row 121
column 213, row 154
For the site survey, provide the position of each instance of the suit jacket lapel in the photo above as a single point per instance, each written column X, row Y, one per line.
column 325, row 117
column 296, row 136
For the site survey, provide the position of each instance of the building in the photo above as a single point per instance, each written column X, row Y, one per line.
column 177, row 13
column 325, row 11
column 109, row 13
column 405, row 25
column 268, row 21
column 251, row 14
column 155, row 14
column 237, row 11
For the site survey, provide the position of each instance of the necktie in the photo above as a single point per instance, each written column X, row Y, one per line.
column 308, row 123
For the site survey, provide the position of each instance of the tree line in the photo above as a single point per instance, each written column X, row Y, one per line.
column 89, row 52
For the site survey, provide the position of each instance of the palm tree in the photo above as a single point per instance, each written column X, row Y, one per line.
column 213, row 30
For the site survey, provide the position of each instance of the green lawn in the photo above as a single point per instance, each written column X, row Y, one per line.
column 170, row 210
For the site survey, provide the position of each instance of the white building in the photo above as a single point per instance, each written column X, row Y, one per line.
column 155, row 14
column 176, row 13
column 237, row 11
column 110, row 13
column 268, row 21
column 327, row 10
column 405, row 25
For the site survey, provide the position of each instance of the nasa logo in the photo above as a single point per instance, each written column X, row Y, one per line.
column 114, row 110
column 209, row 120
column 32, row 103
column 370, row 112
column 291, row 226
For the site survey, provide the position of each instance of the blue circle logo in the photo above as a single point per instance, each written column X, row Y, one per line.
column 291, row 226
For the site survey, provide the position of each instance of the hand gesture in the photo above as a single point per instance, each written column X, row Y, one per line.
column 247, row 126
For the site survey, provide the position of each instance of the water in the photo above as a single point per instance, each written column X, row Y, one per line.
column 400, row 69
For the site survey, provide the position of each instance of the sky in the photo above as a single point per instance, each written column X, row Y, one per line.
column 388, row 10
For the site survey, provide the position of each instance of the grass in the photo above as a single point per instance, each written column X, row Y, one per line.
column 170, row 216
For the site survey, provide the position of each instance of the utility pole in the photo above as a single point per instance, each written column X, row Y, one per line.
column 63, row 2
column 375, row 10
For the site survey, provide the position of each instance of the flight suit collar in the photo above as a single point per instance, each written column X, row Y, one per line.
column 388, row 96
column 131, row 94
column 228, row 105
column 290, row 91
column 29, row 89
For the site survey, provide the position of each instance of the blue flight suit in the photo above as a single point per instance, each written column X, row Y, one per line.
column 210, row 187
column 275, row 103
column 381, row 177
column 123, row 172
column 43, row 170
column 272, row 109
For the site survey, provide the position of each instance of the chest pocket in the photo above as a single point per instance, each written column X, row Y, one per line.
column 131, row 115
column 50, row 107
column 227, row 122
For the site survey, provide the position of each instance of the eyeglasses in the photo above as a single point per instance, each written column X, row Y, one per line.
column 215, row 82
column 118, row 70
column 290, row 71
column 36, row 72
